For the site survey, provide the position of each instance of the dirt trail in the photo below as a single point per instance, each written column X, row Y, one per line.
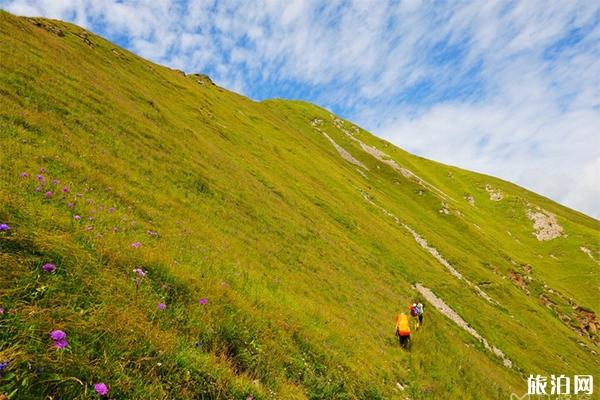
column 386, row 159
column 433, row 251
column 344, row 153
column 458, row 320
column 341, row 151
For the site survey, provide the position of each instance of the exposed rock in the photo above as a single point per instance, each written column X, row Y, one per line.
column 202, row 79
column 470, row 199
column 545, row 224
column 47, row 26
column 588, row 252
column 316, row 122
column 519, row 280
column 495, row 194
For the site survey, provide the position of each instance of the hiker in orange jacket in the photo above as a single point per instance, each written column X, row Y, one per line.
column 403, row 330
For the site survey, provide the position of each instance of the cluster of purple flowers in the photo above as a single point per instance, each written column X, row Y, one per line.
column 101, row 389
column 60, row 339
column 49, row 267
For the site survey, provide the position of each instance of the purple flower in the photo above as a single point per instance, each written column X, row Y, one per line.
column 161, row 306
column 71, row 205
column 42, row 170
column 58, row 335
column 197, row 344
column 1, row 310
column 61, row 344
column 3, row 366
column 49, row 267
column 203, row 301
column 101, row 389
column 48, row 193
column 55, row 181
column 139, row 272
column 24, row 175
column 112, row 210
column 77, row 217
column 40, row 177
column 136, row 245
column 66, row 190
column 4, row 227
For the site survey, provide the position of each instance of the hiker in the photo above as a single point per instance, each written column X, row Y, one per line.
column 419, row 308
column 415, row 314
column 403, row 330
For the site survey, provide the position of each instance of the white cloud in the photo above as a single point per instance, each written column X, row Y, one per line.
column 510, row 89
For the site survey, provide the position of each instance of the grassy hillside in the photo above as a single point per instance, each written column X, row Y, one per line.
column 300, row 236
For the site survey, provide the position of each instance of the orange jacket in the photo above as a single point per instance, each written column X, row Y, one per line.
column 402, row 325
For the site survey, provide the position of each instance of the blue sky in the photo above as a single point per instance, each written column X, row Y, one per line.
column 502, row 87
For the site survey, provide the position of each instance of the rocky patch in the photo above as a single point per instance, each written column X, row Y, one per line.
column 495, row 194
column 545, row 225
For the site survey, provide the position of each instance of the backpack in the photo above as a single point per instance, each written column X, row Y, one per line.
column 413, row 310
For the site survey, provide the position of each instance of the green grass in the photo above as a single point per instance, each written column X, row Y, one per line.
column 246, row 204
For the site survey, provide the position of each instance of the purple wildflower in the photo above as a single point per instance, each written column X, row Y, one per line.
column 58, row 335
column 4, row 227
column 49, row 267
column 48, row 193
column 71, row 205
column 112, row 210
column 101, row 389
column 42, row 170
column 76, row 217
column 40, row 177
column 203, row 301
column 66, row 189
column 136, row 245
column 55, row 181
column 24, row 175
column 140, row 272
column 161, row 306
column 1, row 310
column 3, row 366
column 61, row 344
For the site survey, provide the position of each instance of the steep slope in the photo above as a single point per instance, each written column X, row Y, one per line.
column 303, row 234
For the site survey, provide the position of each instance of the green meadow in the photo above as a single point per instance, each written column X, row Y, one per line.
column 109, row 163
